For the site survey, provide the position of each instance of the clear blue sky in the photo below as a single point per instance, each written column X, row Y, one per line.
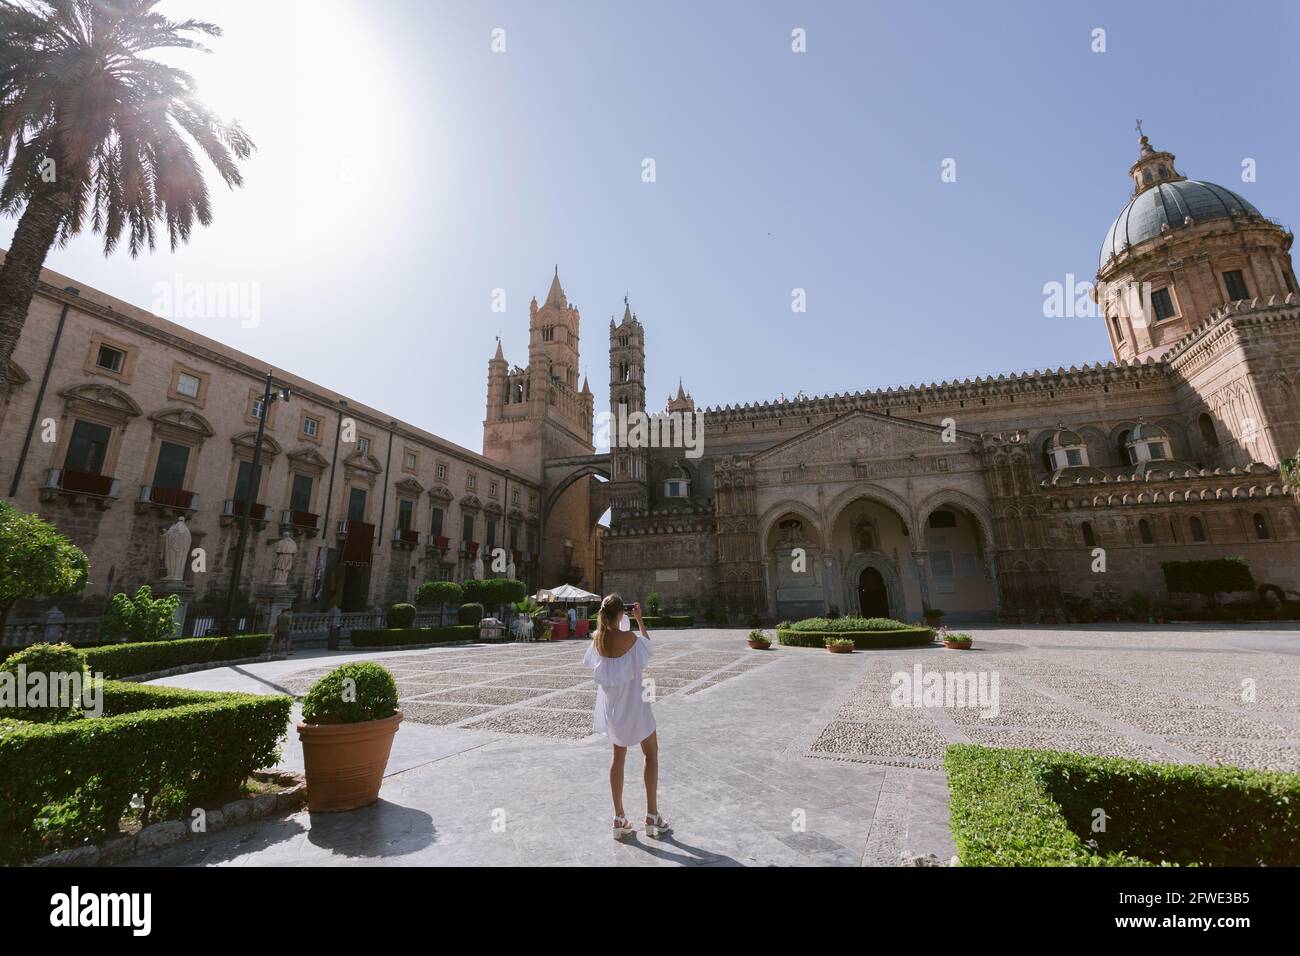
column 405, row 171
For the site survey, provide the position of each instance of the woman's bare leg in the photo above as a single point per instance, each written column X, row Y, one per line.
column 650, row 747
column 616, row 778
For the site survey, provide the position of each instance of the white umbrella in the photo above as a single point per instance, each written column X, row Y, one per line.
column 568, row 594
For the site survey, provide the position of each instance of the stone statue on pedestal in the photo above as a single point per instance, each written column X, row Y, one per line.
column 510, row 567
column 285, row 549
column 478, row 566
column 176, row 548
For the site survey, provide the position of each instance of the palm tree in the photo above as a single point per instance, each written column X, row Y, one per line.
column 90, row 126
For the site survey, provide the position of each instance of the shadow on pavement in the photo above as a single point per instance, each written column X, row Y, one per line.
column 380, row 830
column 694, row 855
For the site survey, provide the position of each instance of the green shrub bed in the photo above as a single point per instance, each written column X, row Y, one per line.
column 1036, row 808
column 397, row 637
column 126, row 660
column 865, row 632
column 73, row 782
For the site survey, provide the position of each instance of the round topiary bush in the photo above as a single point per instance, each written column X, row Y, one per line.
column 65, row 677
column 470, row 614
column 351, row 694
column 400, row 615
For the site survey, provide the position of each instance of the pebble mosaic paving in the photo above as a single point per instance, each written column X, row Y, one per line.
column 1195, row 702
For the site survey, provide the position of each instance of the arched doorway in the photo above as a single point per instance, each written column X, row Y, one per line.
column 873, row 596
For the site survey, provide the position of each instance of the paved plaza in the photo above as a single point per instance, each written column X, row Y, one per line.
column 787, row 757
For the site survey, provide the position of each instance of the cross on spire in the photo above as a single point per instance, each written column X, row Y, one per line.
column 1139, row 127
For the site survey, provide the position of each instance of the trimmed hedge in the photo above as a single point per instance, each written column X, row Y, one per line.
column 70, row 783
column 1035, row 808
column 396, row 637
column 902, row 636
column 125, row 660
column 400, row 615
column 841, row 624
column 65, row 675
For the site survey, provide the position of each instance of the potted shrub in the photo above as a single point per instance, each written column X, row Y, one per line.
column 933, row 616
column 839, row 645
column 759, row 641
column 957, row 642
column 349, row 718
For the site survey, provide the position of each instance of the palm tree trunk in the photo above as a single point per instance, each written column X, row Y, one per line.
column 38, row 227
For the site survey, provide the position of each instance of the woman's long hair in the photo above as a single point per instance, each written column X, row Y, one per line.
column 607, row 621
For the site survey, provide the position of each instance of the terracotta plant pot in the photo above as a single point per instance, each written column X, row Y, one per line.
column 759, row 647
column 345, row 762
column 954, row 646
column 840, row 648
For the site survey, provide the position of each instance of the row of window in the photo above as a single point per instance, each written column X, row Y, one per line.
column 1164, row 306
column 1195, row 526
column 437, row 522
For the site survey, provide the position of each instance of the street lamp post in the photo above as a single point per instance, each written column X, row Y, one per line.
column 270, row 395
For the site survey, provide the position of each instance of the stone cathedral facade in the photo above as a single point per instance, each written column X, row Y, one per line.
column 990, row 497
column 984, row 498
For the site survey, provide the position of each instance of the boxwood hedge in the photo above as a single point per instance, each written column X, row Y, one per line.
column 865, row 632
column 126, row 660
column 396, row 637
column 1036, row 808
column 174, row 749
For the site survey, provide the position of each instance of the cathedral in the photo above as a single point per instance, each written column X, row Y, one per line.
column 1011, row 498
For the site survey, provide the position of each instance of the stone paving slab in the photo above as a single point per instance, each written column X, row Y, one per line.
column 741, row 778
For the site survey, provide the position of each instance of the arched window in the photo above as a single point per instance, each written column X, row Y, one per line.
column 1208, row 435
column 943, row 519
column 1198, row 529
column 1144, row 531
column 1048, row 465
column 1261, row 527
column 1146, row 176
column 1089, row 538
column 1121, row 447
column 678, row 483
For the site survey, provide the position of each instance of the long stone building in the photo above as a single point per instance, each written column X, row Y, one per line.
column 116, row 422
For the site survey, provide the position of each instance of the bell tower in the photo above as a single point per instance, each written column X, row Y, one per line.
column 542, row 412
column 628, row 489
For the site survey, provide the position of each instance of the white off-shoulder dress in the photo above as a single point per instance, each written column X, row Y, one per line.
column 622, row 714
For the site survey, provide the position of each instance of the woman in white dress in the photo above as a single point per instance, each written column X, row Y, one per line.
column 617, row 657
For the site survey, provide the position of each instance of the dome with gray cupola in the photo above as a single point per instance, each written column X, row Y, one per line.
column 1164, row 200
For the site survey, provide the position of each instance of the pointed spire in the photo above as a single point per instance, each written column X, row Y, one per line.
column 681, row 394
column 586, row 389
column 556, row 295
column 627, row 310
column 500, row 356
